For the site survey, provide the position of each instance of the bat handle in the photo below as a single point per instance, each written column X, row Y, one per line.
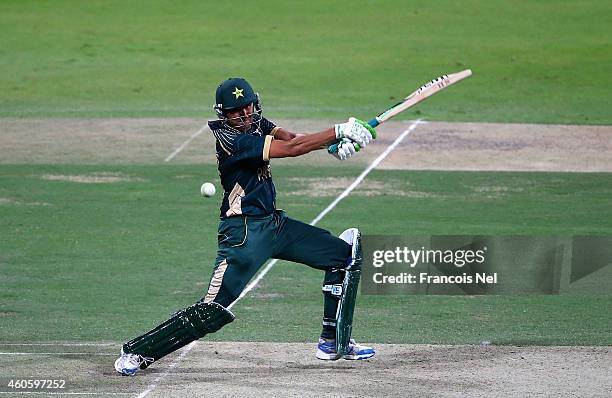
column 374, row 122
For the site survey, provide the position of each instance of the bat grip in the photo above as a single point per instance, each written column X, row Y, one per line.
column 373, row 123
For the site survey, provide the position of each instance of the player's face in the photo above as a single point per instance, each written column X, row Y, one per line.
column 241, row 119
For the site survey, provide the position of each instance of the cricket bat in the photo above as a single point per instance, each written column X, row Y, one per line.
column 421, row 94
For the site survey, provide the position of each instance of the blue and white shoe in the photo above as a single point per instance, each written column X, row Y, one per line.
column 326, row 350
column 129, row 364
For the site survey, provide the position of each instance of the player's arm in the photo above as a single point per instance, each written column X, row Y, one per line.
column 354, row 130
column 281, row 134
column 300, row 144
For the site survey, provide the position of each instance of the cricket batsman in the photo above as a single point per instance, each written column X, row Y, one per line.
column 252, row 230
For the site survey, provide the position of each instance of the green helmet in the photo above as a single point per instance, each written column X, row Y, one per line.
column 235, row 93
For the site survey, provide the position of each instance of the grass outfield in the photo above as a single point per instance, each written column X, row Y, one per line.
column 541, row 62
column 105, row 261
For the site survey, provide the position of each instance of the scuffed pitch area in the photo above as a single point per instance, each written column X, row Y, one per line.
column 431, row 146
column 94, row 178
column 282, row 369
column 504, row 147
column 270, row 369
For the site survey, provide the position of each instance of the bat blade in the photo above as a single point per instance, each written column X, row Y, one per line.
column 421, row 94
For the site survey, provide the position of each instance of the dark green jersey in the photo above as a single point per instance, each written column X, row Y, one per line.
column 244, row 166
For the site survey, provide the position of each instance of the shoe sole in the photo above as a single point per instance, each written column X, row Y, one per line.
column 359, row 357
column 124, row 372
column 334, row 357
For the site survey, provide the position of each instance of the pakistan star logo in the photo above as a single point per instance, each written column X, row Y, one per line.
column 238, row 93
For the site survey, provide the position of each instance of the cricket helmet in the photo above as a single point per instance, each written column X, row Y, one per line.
column 236, row 93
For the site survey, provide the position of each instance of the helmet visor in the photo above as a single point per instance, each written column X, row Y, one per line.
column 243, row 118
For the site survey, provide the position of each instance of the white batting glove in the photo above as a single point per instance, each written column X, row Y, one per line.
column 356, row 130
column 346, row 149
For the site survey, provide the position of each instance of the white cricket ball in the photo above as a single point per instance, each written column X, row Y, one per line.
column 207, row 189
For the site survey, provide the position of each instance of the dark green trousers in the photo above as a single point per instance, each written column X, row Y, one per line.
column 246, row 243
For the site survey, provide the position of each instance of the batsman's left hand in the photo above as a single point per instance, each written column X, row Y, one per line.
column 344, row 149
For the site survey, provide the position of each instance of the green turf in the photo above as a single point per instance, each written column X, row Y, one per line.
column 533, row 61
column 107, row 261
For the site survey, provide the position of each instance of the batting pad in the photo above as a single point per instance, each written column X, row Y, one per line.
column 346, row 308
column 181, row 329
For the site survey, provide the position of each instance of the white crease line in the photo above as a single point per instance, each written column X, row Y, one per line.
column 55, row 353
column 270, row 264
column 65, row 393
column 153, row 385
column 93, row 344
column 184, row 144
column 329, row 208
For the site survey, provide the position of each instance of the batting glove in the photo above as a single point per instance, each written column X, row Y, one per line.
column 356, row 130
column 345, row 149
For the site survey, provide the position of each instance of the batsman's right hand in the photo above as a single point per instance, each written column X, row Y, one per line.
column 356, row 130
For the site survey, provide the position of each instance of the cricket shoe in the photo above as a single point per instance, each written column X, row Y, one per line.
column 326, row 350
column 128, row 364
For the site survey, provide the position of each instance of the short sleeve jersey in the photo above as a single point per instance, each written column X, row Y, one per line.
column 243, row 160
